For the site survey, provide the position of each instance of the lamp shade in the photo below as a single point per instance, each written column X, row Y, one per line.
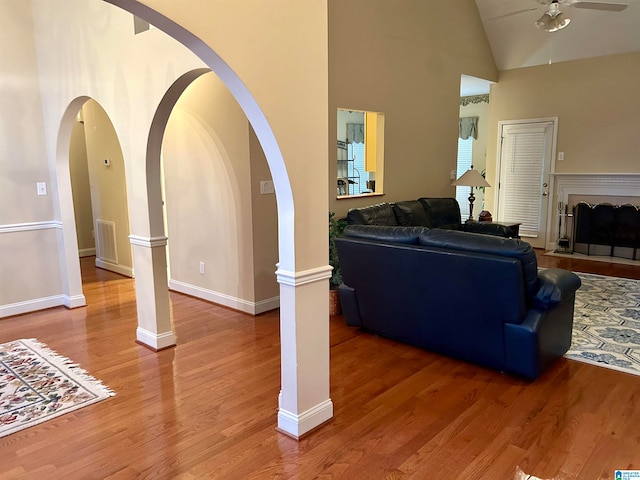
column 471, row 178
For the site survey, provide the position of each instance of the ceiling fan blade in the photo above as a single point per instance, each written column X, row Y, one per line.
column 510, row 14
column 608, row 7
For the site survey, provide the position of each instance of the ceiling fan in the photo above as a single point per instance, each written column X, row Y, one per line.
column 553, row 19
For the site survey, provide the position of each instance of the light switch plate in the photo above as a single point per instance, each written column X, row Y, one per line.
column 42, row 188
column 266, row 187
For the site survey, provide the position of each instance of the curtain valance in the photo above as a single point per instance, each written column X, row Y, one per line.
column 355, row 132
column 468, row 127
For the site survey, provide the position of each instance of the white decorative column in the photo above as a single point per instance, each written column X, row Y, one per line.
column 304, row 401
column 150, row 263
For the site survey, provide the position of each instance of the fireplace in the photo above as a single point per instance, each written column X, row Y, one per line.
column 606, row 219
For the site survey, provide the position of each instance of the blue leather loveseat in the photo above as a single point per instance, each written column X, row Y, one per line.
column 475, row 297
column 424, row 212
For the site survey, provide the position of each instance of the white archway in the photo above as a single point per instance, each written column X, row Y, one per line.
column 304, row 401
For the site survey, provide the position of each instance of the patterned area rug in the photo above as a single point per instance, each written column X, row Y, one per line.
column 606, row 325
column 36, row 385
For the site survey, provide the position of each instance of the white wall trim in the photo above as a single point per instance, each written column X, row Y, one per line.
column 606, row 184
column 148, row 242
column 286, row 277
column 31, row 305
column 121, row 269
column 157, row 341
column 74, row 301
column 253, row 308
column 23, row 227
column 298, row 425
column 87, row 252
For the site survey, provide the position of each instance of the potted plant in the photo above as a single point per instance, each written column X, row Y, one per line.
column 336, row 227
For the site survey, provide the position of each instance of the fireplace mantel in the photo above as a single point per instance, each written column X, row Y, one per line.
column 606, row 184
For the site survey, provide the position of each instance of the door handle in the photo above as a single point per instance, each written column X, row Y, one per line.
column 544, row 194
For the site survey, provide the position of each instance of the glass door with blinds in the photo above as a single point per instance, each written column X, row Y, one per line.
column 526, row 153
column 465, row 156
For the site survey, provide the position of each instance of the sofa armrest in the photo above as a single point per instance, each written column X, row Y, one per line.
column 555, row 285
column 488, row 228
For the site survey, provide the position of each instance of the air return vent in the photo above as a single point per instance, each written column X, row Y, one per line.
column 106, row 241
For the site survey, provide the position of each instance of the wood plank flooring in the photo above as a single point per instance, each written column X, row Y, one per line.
column 207, row 408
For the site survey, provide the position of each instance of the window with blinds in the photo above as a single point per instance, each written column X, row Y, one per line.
column 523, row 155
column 356, row 169
column 465, row 155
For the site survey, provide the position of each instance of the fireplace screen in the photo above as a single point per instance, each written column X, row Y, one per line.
column 607, row 230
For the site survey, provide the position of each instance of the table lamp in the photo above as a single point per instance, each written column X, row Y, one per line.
column 471, row 178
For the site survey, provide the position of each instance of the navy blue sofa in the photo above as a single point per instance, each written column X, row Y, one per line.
column 475, row 297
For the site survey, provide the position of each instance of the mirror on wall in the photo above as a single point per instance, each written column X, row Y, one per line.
column 360, row 144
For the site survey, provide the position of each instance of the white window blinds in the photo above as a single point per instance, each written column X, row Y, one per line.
column 521, row 178
column 465, row 155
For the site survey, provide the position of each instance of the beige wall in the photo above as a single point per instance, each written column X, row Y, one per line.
column 265, row 225
column 596, row 103
column 79, row 171
column 108, row 186
column 401, row 59
column 21, row 124
column 260, row 41
column 28, row 251
column 210, row 194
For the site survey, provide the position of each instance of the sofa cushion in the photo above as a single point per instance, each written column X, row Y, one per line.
column 379, row 214
column 442, row 213
column 475, row 242
column 394, row 234
column 410, row 212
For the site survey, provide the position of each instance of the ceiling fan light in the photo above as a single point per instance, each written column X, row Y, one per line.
column 544, row 21
column 552, row 21
column 558, row 23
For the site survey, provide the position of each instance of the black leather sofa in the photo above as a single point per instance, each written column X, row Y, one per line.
column 424, row 212
column 478, row 298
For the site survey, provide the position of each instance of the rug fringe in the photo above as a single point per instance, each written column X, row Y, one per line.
column 83, row 374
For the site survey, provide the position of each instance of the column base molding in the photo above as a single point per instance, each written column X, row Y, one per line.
column 296, row 426
column 155, row 341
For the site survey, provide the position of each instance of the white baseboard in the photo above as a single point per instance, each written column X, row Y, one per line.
column 75, row 301
column 87, row 252
column 298, row 425
column 157, row 341
column 31, row 305
column 121, row 269
column 253, row 308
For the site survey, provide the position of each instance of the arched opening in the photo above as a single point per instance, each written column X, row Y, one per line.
column 222, row 231
column 304, row 402
column 99, row 190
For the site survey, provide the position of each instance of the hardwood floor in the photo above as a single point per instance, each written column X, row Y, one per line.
column 207, row 408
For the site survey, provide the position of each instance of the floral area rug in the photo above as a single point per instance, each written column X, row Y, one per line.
column 606, row 323
column 37, row 384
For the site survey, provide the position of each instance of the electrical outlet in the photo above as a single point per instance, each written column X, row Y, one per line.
column 560, row 156
column 201, row 268
column 42, row 188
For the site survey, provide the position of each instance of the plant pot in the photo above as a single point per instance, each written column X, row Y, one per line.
column 334, row 303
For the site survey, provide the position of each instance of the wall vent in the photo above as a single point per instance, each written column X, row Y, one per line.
column 106, row 241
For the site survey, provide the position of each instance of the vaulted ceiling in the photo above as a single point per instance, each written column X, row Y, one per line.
column 516, row 42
